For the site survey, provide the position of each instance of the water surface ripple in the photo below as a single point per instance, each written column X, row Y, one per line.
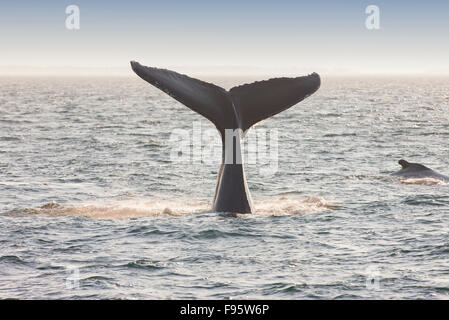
column 91, row 207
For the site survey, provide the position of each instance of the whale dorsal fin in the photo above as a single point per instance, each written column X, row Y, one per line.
column 262, row 99
column 205, row 98
column 415, row 166
column 404, row 163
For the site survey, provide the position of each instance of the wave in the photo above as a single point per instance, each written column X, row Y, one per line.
column 151, row 208
column 11, row 259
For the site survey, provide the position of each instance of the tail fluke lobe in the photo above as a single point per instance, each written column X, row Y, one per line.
column 207, row 99
column 260, row 100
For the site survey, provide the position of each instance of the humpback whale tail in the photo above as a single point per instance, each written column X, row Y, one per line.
column 239, row 108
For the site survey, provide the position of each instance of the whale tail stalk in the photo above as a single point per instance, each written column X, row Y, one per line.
column 239, row 108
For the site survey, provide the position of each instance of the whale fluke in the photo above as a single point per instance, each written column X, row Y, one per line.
column 239, row 108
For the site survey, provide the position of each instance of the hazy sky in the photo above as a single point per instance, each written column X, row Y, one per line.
column 322, row 36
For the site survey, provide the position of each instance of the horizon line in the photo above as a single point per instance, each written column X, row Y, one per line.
column 210, row 70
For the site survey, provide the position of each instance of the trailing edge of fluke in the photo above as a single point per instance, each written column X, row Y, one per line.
column 239, row 108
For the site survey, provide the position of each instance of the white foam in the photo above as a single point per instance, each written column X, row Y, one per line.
column 422, row 181
column 292, row 205
column 158, row 207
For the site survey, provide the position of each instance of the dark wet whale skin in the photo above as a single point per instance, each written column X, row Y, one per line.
column 417, row 171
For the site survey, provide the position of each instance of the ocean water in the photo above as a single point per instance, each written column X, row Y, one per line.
column 93, row 204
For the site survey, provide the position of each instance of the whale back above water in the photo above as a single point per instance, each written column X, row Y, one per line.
column 418, row 171
column 237, row 109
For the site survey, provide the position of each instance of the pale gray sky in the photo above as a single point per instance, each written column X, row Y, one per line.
column 225, row 37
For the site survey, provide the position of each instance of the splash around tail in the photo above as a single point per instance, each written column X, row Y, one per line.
column 273, row 206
